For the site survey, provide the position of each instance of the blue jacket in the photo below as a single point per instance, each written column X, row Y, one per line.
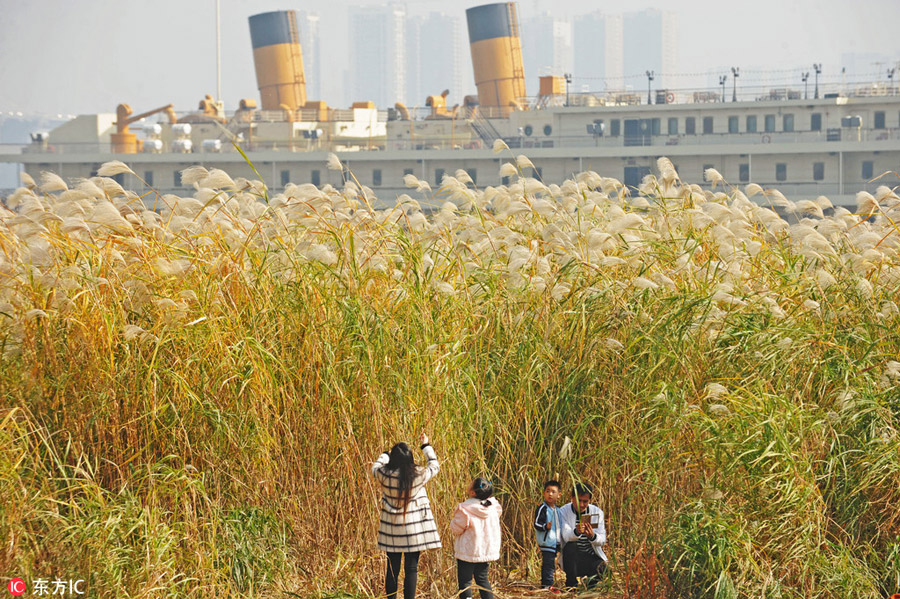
column 548, row 540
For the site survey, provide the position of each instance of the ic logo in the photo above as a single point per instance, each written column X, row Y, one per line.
column 17, row 587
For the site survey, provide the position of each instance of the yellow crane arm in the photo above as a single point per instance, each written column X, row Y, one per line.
column 124, row 118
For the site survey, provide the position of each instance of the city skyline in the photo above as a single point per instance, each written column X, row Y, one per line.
column 148, row 58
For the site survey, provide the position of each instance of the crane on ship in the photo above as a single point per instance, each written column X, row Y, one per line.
column 123, row 140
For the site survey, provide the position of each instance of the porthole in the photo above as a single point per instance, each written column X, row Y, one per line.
column 548, row 130
column 528, row 130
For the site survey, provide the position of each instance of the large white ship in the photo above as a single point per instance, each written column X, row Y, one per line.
column 834, row 144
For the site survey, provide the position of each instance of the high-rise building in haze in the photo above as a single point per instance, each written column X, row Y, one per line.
column 546, row 48
column 312, row 56
column 650, row 45
column 435, row 55
column 598, row 43
column 378, row 54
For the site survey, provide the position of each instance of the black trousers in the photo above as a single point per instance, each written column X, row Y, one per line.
column 548, row 568
column 410, row 571
column 581, row 563
column 465, row 571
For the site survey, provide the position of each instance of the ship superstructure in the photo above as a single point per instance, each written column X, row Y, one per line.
column 835, row 145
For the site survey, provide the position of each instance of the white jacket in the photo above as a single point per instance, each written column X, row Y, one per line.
column 477, row 530
column 569, row 520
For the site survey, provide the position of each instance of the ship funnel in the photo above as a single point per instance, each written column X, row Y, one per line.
column 278, row 60
column 496, row 56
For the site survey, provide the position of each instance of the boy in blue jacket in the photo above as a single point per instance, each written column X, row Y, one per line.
column 548, row 529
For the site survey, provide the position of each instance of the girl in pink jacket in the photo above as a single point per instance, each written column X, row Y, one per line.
column 476, row 525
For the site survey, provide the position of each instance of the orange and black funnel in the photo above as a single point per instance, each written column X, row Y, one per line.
column 496, row 56
column 278, row 60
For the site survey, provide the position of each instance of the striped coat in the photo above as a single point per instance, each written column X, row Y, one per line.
column 414, row 530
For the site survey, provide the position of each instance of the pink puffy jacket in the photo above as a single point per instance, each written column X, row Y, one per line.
column 477, row 530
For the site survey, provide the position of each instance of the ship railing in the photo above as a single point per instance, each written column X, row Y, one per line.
column 312, row 115
column 461, row 142
column 699, row 95
column 464, row 140
column 56, row 148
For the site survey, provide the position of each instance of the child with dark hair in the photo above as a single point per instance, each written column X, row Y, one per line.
column 407, row 525
column 476, row 525
column 583, row 537
column 547, row 527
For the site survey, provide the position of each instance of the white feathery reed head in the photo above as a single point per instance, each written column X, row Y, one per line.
column 713, row 176
column 463, row 177
column 217, row 179
column 193, row 174
column 866, row 203
column 499, row 146
column 522, row 161
column 113, row 168
column 411, row 181
column 109, row 186
column 51, row 182
column 334, row 163
column 508, row 170
column 753, row 189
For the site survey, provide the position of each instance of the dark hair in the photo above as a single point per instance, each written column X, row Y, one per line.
column 483, row 490
column 402, row 462
column 582, row 489
column 552, row 483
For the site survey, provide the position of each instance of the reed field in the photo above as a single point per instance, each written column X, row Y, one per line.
column 191, row 396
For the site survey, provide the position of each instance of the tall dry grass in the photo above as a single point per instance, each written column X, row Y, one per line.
column 192, row 396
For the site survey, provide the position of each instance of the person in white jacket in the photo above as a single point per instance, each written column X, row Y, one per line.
column 476, row 525
column 583, row 537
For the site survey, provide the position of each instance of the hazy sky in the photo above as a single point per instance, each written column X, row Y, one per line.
column 85, row 56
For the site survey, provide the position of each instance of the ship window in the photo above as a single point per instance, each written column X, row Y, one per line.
column 634, row 175
column 673, row 126
column 148, row 178
column 770, row 123
column 504, row 181
column 733, row 124
column 285, row 178
column 788, row 122
column 868, row 169
column 548, row 129
column 818, row 171
column 315, row 178
column 119, row 178
column 438, row 175
column 407, row 171
column 751, row 123
column 781, row 171
column 815, row 121
column 744, row 172
column 879, row 119
column 707, row 125
column 655, row 127
column 614, row 127
column 536, row 173
column 473, row 173
column 690, row 125
column 176, row 179
column 376, row 177
column 528, row 130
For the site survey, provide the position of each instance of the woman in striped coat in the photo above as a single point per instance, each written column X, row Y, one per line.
column 407, row 524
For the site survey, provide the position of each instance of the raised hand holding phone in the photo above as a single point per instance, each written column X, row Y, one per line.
column 586, row 529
